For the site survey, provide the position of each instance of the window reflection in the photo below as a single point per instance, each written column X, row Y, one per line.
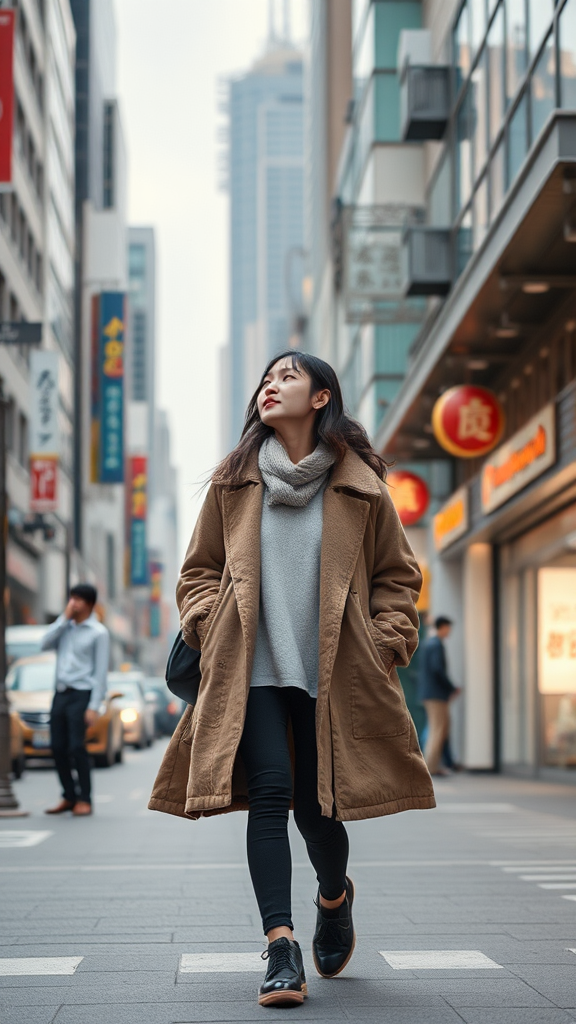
column 567, row 49
column 478, row 22
column 464, row 151
column 539, row 20
column 464, row 242
column 497, row 181
column 462, row 47
column 496, row 74
column 479, row 99
column 517, row 140
column 480, row 212
column 542, row 87
column 515, row 44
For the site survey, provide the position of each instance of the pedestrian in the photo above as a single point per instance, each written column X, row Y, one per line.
column 299, row 588
column 436, row 692
column 82, row 646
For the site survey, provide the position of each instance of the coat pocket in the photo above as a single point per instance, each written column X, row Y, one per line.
column 378, row 708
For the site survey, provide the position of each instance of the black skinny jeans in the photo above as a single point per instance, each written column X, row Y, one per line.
column 67, row 737
column 266, row 757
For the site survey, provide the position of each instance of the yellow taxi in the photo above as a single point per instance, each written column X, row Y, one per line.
column 31, row 683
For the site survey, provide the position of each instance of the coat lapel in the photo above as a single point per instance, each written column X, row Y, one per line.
column 242, row 515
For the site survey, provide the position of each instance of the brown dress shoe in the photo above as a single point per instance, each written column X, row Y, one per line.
column 81, row 809
column 64, row 805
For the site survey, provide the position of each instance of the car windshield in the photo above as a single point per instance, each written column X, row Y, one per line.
column 128, row 688
column 32, row 676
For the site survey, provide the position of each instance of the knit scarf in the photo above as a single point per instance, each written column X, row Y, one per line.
column 290, row 484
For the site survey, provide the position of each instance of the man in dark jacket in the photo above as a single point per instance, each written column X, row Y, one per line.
column 436, row 690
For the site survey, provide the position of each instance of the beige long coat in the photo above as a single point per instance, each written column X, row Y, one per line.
column 369, row 762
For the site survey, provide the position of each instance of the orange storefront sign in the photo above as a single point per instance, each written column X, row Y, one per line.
column 451, row 522
column 523, row 458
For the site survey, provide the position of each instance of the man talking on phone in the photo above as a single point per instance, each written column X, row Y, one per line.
column 82, row 646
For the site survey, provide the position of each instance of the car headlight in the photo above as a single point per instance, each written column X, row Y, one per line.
column 129, row 715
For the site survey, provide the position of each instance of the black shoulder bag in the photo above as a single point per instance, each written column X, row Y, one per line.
column 183, row 673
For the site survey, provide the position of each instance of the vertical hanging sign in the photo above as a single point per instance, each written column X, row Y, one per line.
column 138, row 511
column 6, row 95
column 44, row 431
column 155, row 599
column 111, row 388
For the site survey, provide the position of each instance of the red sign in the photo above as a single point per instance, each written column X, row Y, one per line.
column 43, row 483
column 6, row 94
column 468, row 421
column 410, row 495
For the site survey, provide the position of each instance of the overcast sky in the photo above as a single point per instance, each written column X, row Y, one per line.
column 170, row 58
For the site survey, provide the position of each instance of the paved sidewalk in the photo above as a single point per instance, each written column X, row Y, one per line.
column 464, row 914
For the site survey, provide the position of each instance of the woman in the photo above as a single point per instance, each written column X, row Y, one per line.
column 299, row 588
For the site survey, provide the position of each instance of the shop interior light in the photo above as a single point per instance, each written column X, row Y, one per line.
column 477, row 364
column 535, row 287
column 421, row 442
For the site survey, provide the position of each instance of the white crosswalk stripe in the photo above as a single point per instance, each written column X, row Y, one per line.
column 549, row 875
column 10, row 838
column 220, row 963
column 438, row 960
column 19, row 966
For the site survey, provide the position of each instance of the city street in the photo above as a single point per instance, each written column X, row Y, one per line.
column 466, row 913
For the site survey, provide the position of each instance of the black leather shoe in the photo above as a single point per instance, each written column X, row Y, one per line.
column 285, row 981
column 334, row 938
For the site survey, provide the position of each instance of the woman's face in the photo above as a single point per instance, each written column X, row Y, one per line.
column 285, row 395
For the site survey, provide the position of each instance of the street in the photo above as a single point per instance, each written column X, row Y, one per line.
column 466, row 913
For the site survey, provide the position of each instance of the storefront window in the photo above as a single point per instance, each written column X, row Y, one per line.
column 517, row 140
column 567, row 49
column 480, row 114
column 539, row 21
column 497, row 180
column 543, row 87
column 515, row 45
column 462, row 47
column 464, row 151
column 557, row 662
column 496, row 84
column 481, row 212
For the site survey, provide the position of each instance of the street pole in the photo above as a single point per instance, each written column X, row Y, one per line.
column 9, row 806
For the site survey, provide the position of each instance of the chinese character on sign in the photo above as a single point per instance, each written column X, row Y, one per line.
column 475, row 420
column 555, row 645
column 406, row 498
column 571, row 638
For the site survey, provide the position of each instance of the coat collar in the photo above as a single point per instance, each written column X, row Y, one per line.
column 352, row 473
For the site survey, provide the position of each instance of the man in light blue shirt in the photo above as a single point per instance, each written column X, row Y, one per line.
column 82, row 644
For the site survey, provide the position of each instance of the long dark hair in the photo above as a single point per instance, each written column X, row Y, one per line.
column 332, row 425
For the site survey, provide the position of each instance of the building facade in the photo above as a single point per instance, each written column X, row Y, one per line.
column 265, row 180
column 37, row 285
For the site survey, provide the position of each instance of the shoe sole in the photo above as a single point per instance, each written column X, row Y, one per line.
column 283, row 998
column 348, row 958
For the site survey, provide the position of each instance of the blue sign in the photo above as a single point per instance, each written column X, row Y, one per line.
column 138, row 554
column 111, row 371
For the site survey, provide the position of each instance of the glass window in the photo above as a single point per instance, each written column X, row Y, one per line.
column 464, row 151
column 481, row 212
column 387, row 107
column 464, row 242
column 439, row 203
column 543, row 87
column 358, row 14
column 478, row 22
column 462, row 47
column 515, row 45
column 364, row 56
column 539, row 20
column 496, row 85
column 497, row 180
column 479, row 115
column 517, row 140
column 567, row 48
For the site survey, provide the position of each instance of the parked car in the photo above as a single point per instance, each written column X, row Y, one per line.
column 31, row 683
column 18, row 758
column 136, row 712
column 168, row 708
column 23, row 641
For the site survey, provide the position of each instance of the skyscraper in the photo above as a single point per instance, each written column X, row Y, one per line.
column 265, row 182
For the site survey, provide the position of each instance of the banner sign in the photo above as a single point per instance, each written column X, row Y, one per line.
column 20, row 332
column 7, row 19
column 44, row 431
column 468, row 421
column 138, row 512
column 155, row 599
column 108, row 389
column 557, row 630
column 524, row 457
column 451, row 522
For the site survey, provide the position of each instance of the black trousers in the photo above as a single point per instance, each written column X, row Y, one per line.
column 265, row 752
column 67, row 732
